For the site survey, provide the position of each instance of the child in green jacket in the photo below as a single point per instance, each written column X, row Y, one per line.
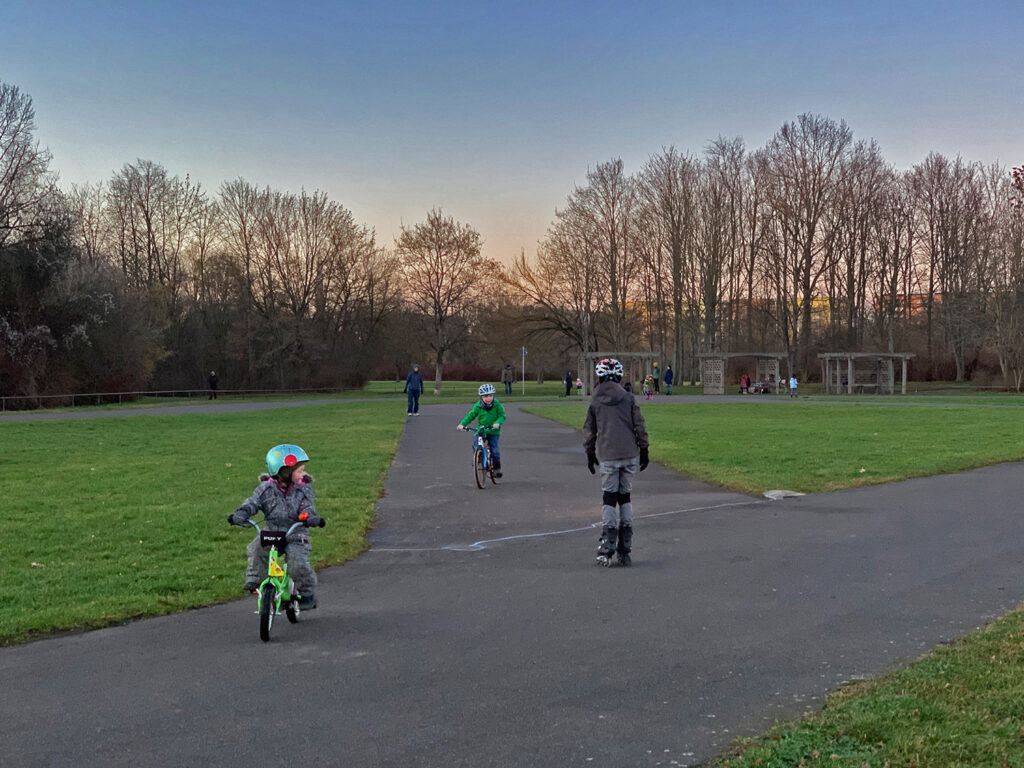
column 491, row 415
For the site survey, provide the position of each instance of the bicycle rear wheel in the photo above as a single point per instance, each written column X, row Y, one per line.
column 479, row 470
column 267, row 599
column 490, row 467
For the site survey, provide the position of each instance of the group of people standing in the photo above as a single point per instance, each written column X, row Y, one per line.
column 650, row 386
column 748, row 387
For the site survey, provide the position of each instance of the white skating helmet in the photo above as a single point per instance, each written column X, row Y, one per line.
column 486, row 389
column 608, row 368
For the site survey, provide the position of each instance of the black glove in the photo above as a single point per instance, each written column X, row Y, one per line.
column 231, row 519
column 591, row 461
column 644, row 459
column 322, row 523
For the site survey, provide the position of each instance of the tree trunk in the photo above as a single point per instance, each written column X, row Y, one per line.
column 438, row 364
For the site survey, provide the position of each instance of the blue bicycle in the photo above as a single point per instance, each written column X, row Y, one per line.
column 483, row 466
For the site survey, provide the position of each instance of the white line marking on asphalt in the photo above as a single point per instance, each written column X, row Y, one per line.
column 482, row 544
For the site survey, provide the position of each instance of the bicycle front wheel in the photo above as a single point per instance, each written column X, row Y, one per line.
column 268, row 596
column 479, row 470
column 292, row 609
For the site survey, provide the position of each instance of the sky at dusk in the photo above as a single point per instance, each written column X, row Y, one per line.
column 493, row 111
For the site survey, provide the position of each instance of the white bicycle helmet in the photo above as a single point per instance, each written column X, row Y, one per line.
column 608, row 368
column 486, row 389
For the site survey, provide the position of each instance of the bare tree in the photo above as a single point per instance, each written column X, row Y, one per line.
column 154, row 216
column 950, row 201
column 1005, row 305
column 25, row 180
column 442, row 266
column 805, row 167
column 666, row 187
column 858, row 208
column 894, row 243
column 559, row 290
column 602, row 217
column 240, row 204
column 89, row 202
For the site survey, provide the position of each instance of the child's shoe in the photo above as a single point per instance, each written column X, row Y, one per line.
column 250, row 587
column 307, row 602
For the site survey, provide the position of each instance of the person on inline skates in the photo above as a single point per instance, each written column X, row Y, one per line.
column 285, row 496
column 491, row 414
column 614, row 430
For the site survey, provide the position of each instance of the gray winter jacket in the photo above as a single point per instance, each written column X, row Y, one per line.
column 614, row 424
column 281, row 508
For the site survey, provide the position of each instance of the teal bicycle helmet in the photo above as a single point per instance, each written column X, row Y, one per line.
column 284, row 455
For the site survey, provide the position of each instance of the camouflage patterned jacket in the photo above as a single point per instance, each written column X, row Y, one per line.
column 280, row 506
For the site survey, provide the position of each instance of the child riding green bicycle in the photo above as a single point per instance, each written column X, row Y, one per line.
column 490, row 414
column 285, row 496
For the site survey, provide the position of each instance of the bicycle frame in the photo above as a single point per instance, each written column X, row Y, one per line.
column 481, row 442
column 484, row 467
column 277, row 573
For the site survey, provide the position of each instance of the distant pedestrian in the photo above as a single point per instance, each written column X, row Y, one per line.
column 669, row 378
column 648, row 387
column 657, row 377
column 792, row 386
column 507, row 377
column 212, row 382
column 579, row 386
column 568, row 383
column 413, row 388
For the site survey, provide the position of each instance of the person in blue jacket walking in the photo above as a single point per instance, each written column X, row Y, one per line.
column 413, row 387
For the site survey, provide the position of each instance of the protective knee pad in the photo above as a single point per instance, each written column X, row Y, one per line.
column 610, row 499
column 624, row 498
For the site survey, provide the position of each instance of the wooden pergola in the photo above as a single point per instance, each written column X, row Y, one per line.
column 850, row 372
column 589, row 359
column 713, row 369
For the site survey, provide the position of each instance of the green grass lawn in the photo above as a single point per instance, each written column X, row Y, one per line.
column 960, row 706
column 813, row 446
column 109, row 519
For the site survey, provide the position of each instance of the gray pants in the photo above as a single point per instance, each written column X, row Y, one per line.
column 617, row 477
column 297, row 556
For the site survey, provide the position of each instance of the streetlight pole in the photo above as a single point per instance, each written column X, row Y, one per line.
column 522, row 351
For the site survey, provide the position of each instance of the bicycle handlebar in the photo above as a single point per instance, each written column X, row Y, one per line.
column 299, row 524
column 478, row 430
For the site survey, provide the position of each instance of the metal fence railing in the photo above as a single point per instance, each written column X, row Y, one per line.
column 31, row 402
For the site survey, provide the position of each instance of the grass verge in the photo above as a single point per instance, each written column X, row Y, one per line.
column 961, row 705
column 813, row 446
column 110, row 519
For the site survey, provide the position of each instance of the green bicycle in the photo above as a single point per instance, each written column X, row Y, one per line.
column 278, row 589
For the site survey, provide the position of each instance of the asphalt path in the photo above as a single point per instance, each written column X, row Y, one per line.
column 477, row 630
